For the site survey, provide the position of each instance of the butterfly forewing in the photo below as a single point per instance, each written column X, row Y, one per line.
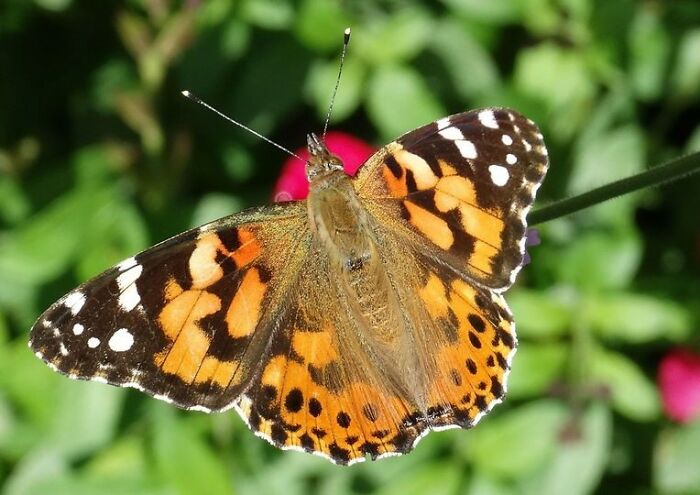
column 463, row 185
column 180, row 320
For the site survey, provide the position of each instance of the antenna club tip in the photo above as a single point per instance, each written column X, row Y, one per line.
column 185, row 93
column 346, row 33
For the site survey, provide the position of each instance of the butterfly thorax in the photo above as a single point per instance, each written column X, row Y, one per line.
column 337, row 217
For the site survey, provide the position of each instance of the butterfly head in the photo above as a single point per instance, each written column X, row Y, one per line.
column 321, row 162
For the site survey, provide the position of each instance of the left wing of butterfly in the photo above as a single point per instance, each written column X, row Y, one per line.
column 186, row 321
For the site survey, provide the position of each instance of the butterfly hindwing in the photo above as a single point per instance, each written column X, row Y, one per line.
column 463, row 185
column 179, row 320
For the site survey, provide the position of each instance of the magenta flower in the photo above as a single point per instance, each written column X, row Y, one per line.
column 292, row 183
column 679, row 383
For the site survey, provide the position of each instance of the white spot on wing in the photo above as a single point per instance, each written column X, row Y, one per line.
column 466, row 149
column 78, row 329
column 129, row 297
column 527, row 145
column 62, row 349
column 488, row 119
column 126, row 264
column 121, row 340
column 443, row 123
column 511, row 159
column 499, row 175
column 93, row 342
column 506, row 139
column 451, row 133
column 74, row 301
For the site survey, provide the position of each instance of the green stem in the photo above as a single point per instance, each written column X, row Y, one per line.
column 663, row 174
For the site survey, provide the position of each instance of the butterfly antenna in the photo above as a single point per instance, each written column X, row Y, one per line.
column 346, row 41
column 196, row 99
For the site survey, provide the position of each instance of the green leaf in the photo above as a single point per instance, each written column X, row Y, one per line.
column 559, row 77
column 650, row 48
column 424, row 479
column 541, row 17
column 612, row 155
column 85, row 417
column 235, row 38
column 399, row 100
column 479, row 484
column 676, row 457
column 54, row 5
column 268, row 14
column 536, row 368
column 636, row 318
column 61, row 225
column 214, row 206
column 183, row 458
column 393, row 39
column 14, row 205
column 257, row 97
column 116, row 232
column 499, row 12
column 35, row 395
column 453, row 44
column 632, row 394
column 685, row 78
column 320, row 24
column 321, row 82
column 540, row 315
column 580, row 461
column 525, row 439
column 125, row 458
column 34, row 472
column 599, row 260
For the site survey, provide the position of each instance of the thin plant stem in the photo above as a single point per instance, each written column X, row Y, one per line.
column 663, row 174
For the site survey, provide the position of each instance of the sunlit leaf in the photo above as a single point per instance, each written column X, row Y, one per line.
column 632, row 394
column 389, row 90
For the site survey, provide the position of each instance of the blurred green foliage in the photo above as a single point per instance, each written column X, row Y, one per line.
column 101, row 157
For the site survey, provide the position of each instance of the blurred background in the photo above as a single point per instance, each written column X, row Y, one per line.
column 100, row 157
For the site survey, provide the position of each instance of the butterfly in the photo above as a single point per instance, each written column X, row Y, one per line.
column 349, row 324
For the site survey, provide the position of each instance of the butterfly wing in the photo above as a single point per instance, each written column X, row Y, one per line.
column 185, row 321
column 461, row 187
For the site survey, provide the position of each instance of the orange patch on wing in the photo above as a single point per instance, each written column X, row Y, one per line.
column 482, row 256
column 172, row 289
column 249, row 249
column 423, row 175
column 274, row 372
column 397, row 187
column 204, row 269
column 217, row 371
column 465, row 292
column 459, row 188
column 434, row 295
column 433, row 227
column 481, row 225
column 179, row 321
column 446, row 168
column 316, row 348
column 244, row 312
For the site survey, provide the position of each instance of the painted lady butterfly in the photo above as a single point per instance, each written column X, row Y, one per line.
column 348, row 324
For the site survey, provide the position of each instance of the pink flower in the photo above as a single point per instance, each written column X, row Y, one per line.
column 679, row 382
column 292, row 183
